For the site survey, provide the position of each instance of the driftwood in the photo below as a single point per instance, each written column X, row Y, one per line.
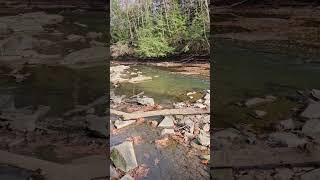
column 163, row 112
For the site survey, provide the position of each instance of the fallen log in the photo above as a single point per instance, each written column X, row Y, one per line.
column 163, row 112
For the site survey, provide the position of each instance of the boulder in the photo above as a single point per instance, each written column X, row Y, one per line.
column 97, row 125
column 121, row 124
column 167, row 122
column 312, row 111
column 287, row 139
column 123, row 156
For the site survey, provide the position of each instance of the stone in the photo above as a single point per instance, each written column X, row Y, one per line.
column 96, row 43
column 223, row 174
column 6, row 102
column 197, row 146
column 286, row 125
column 315, row 93
column 312, row 111
column 206, row 127
column 200, row 105
column 127, row 177
column 97, row 125
column 147, row 101
column 87, row 55
column 74, row 38
column 283, row 174
column 259, row 113
column 123, row 156
column 139, row 79
column 113, row 172
column 287, row 139
column 312, row 175
column 229, row 134
column 179, row 105
column 121, row 124
column 187, row 121
column 167, row 131
column 94, row 35
column 311, row 127
column 4, row 29
column 204, row 138
column 258, row 101
column 167, row 122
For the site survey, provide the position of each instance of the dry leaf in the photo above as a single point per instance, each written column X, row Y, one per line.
column 162, row 142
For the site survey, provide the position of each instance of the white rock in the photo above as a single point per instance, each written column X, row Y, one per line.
column 167, row 122
column 204, row 138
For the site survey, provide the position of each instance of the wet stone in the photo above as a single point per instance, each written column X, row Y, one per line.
column 123, row 156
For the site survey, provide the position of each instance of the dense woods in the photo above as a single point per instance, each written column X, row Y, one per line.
column 155, row 28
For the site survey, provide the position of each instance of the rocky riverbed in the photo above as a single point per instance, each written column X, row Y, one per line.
column 163, row 135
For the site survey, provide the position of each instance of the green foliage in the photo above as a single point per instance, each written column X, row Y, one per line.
column 162, row 28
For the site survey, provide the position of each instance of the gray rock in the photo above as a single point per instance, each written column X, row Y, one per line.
column 287, row 139
column 123, row 156
column 87, row 55
column 229, row 134
column 97, row 125
column 94, row 35
column 283, row 174
column 259, row 114
column 312, row 175
column 312, row 111
column 167, row 122
column 96, row 43
column 167, row 131
column 286, row 125
column 315, row 93
column 188, row 122
column 146, row 101
column 127, row 177
column 204, row 138
column 113, row 172
column 74, row 38
column 257, row 101
column 311, row 127
column 121, row 124
column 6, row 102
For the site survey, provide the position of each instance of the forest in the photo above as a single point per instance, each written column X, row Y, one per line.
column 158, row 28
